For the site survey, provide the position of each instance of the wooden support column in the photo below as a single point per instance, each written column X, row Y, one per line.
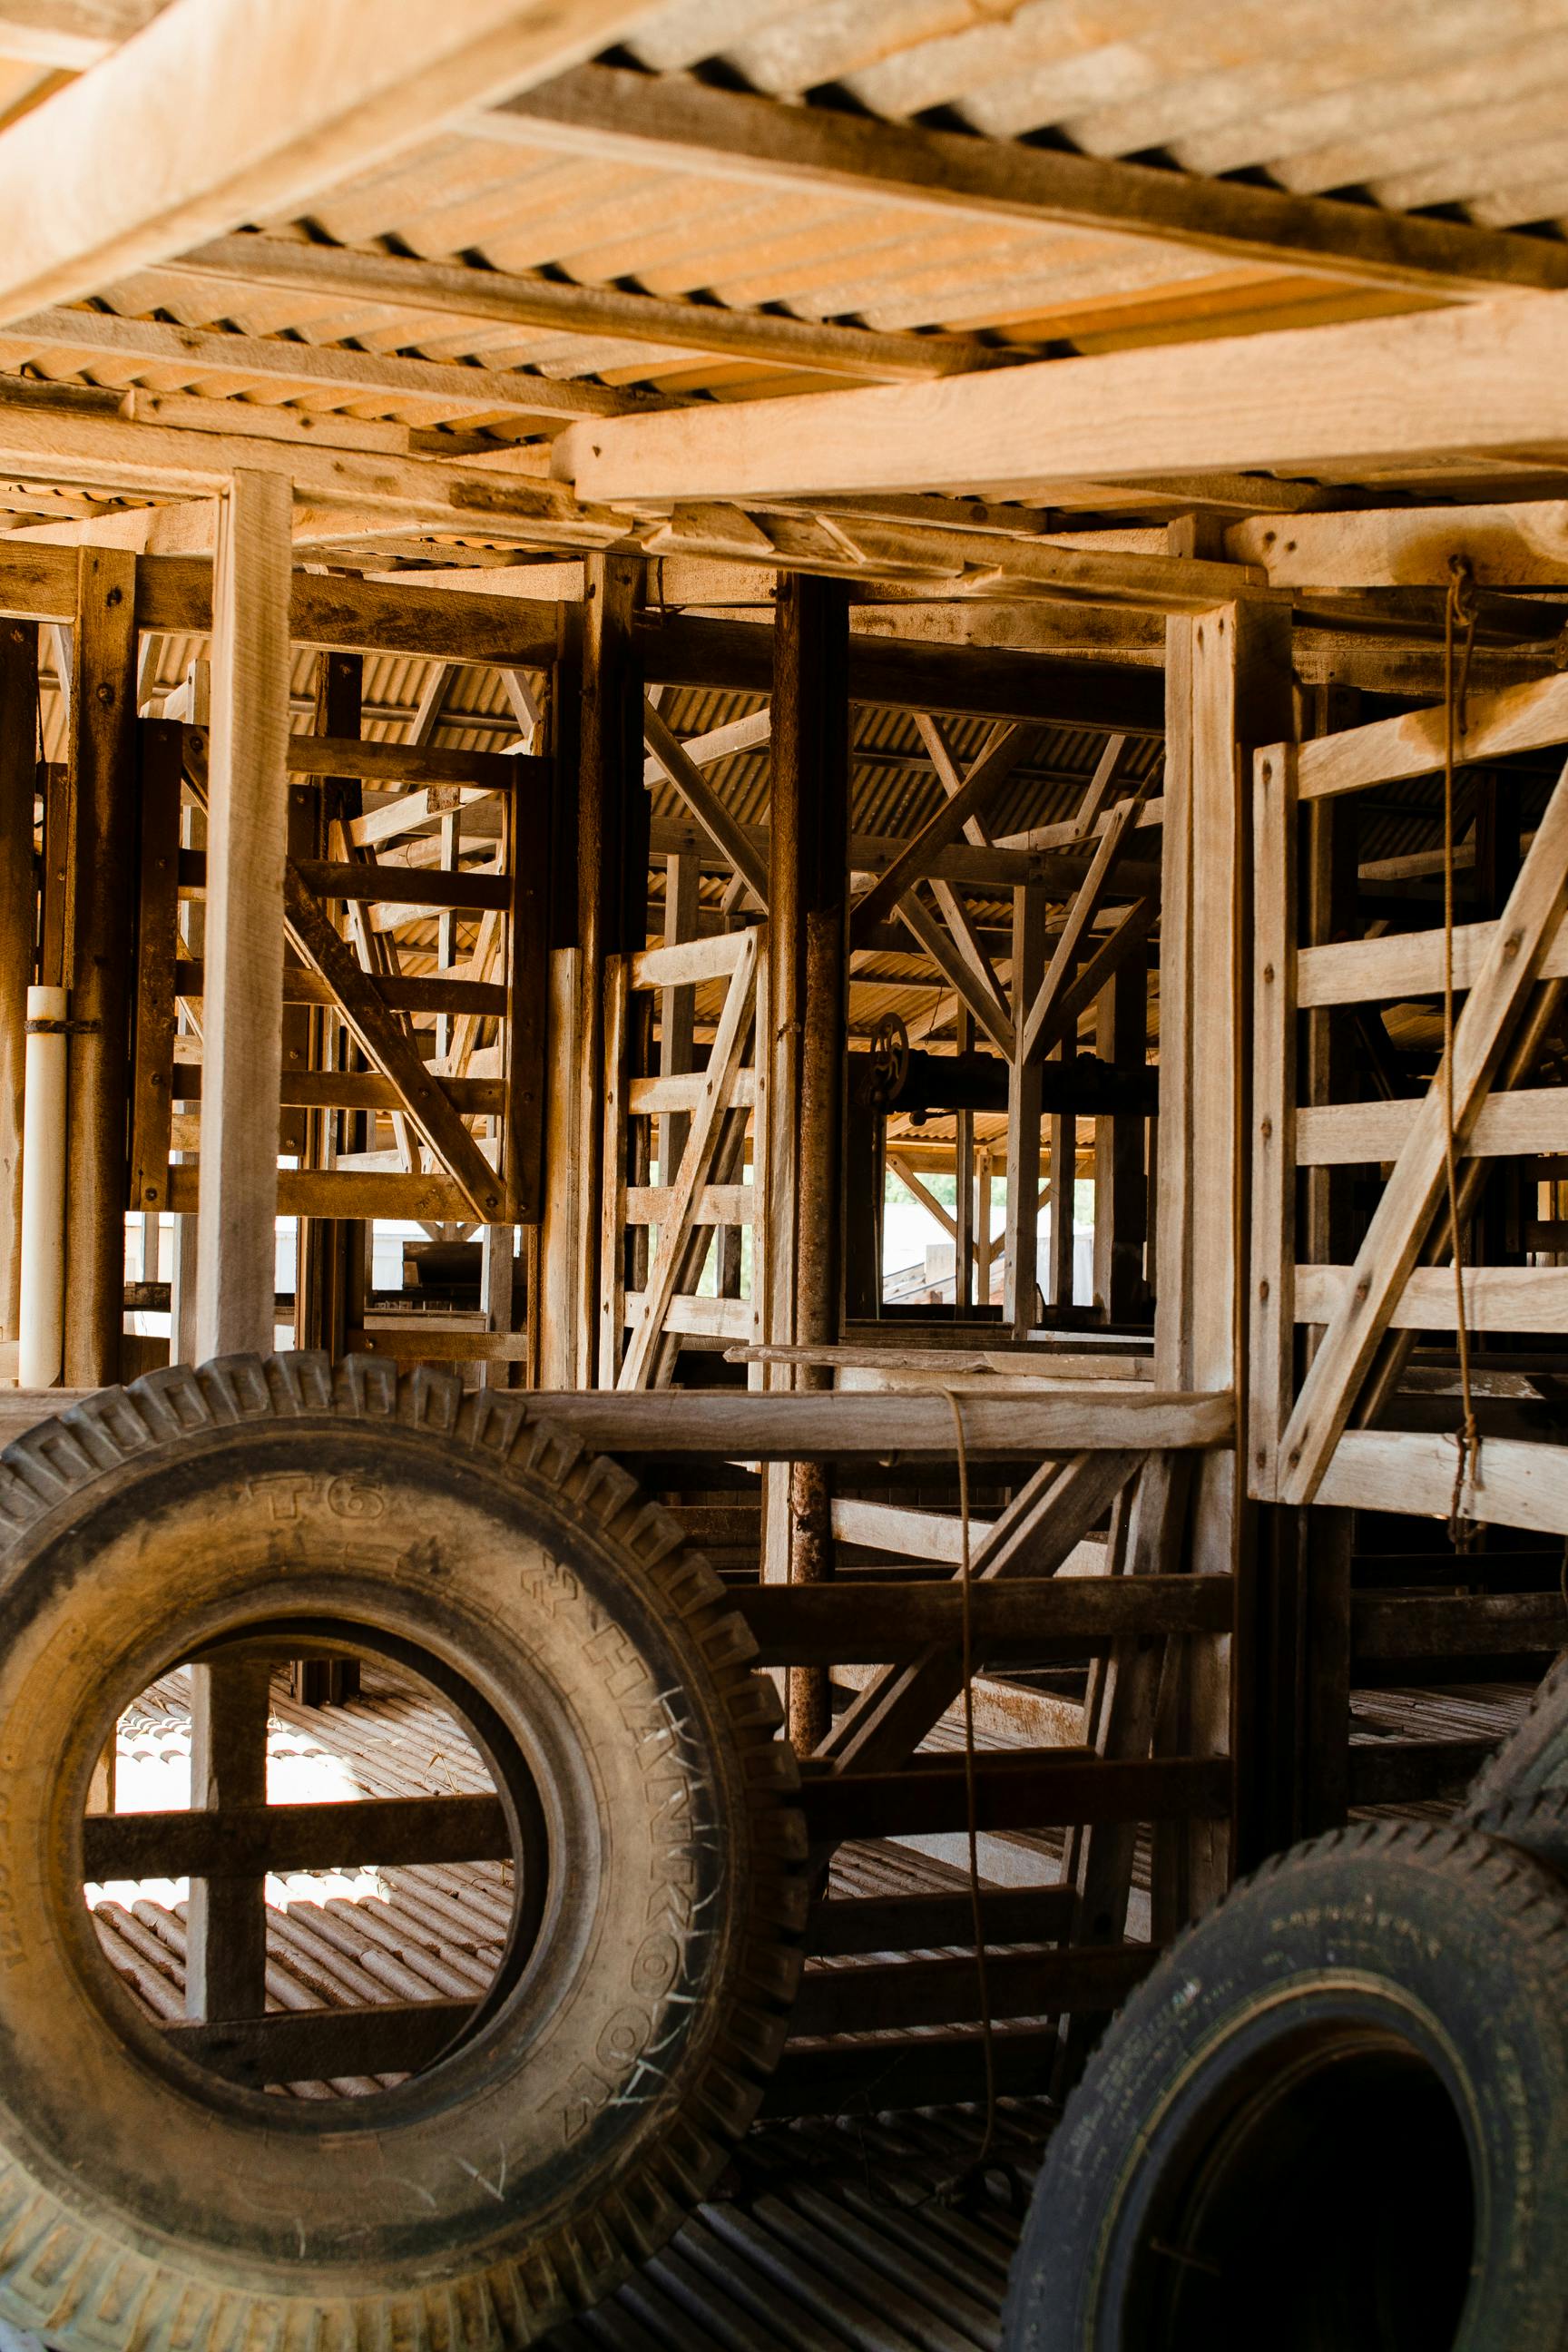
column 19, row 777
column 612, row 874
column 560, row 1277
column 226, row 1929
column 98, row 962
column 1227, row 684
column 1121, row 1192
column 1021, row 1240
column 807, row 1000
column 328, row 1276
column 246, row 849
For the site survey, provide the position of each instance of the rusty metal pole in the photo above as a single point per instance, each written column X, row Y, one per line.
column 808, row 918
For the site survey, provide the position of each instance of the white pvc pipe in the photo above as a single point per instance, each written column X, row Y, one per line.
column 41, row 1322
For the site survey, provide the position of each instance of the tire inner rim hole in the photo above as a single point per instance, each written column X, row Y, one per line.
column 1335, row 2195
column 370, row 1970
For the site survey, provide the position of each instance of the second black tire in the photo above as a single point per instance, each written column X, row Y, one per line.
column 1334, row 2119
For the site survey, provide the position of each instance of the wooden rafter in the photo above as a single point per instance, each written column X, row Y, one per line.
column 682, row 124
column 221, row 112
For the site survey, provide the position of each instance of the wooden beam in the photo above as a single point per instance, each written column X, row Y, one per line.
column 221, row 113
column 18, row 778
column 994, row 765
column 706, row 807
column 470, row 392
column 673, row 123
column 1472, row 383
column 453, row 289
column 1507, row 547
column 242, row 1008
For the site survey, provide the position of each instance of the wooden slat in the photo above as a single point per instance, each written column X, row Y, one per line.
column 247, row 1841
column 344, row 1192
column 707, row 808
column 688, row 962
column 1020, row 1789
column 853, row 1622
column 645, row 1098
column 1520, row 1484
column 717, row 1204
column 901, row 1995
column 1331, row 1135
column 401, row 993
column 404, row 886
column 414, row 765
column 1497, row 1297
column 915, row 1923
column 851, row 1426
column 323, row 2045
column 156, row 941
column 1519, row 718
column 696, row 1317
column 1458, row 1625
column 1273, row 1268
column 1408, row 964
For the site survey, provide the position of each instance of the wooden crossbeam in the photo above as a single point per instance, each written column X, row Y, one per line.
column 970, row 976
column 1393, row 1238
column 676, row 123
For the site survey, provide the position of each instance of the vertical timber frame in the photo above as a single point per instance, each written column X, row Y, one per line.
column 1228, row 685
column 19, row 777
column 804, row 1054
column 99, row 930
column 247, row 855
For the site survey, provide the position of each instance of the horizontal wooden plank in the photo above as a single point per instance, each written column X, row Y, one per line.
column 1497, row 1297
column 408, row 1199
column 897, row 1995
column 1456, row 1625
column 961, row 680
column 751, row 1426
column 700, row 1318
column 1508, row 547
column 1021, row 1789
column 248, row 1841
column 1413, row 1771
column 879, row 2077
column 348, row 1090
column 1332, row 1135
column 409, row 1343
column 173, row 597
column 717, row 1204
column 321, row 2045
column 1514, row 1482
column 1406, row 963
column 648, row 1097
column 380, row 885
column 399, row 992
column 918, row 1923
column 413, row 764
column 856, row 1623
column 687, row 961
column 1519, row 719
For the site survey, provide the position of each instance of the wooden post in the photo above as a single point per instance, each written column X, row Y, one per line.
column 808, row 997
column 963, row 1189
column 1228, row 685
column 611, row 871
column 246, row 848
column 1021, row 1240
column 19, row 777
column 1120, row 1198
column 329, row 1270
column 226, row 1928
column 99, row 930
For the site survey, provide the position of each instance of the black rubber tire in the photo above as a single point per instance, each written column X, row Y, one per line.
column 1532, row 1761
column 145, row 2203
column 1285, row 2134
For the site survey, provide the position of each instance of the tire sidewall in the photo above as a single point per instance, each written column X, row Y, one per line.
column 579, row 2073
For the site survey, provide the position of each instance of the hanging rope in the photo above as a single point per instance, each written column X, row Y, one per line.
column 1459, row 611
